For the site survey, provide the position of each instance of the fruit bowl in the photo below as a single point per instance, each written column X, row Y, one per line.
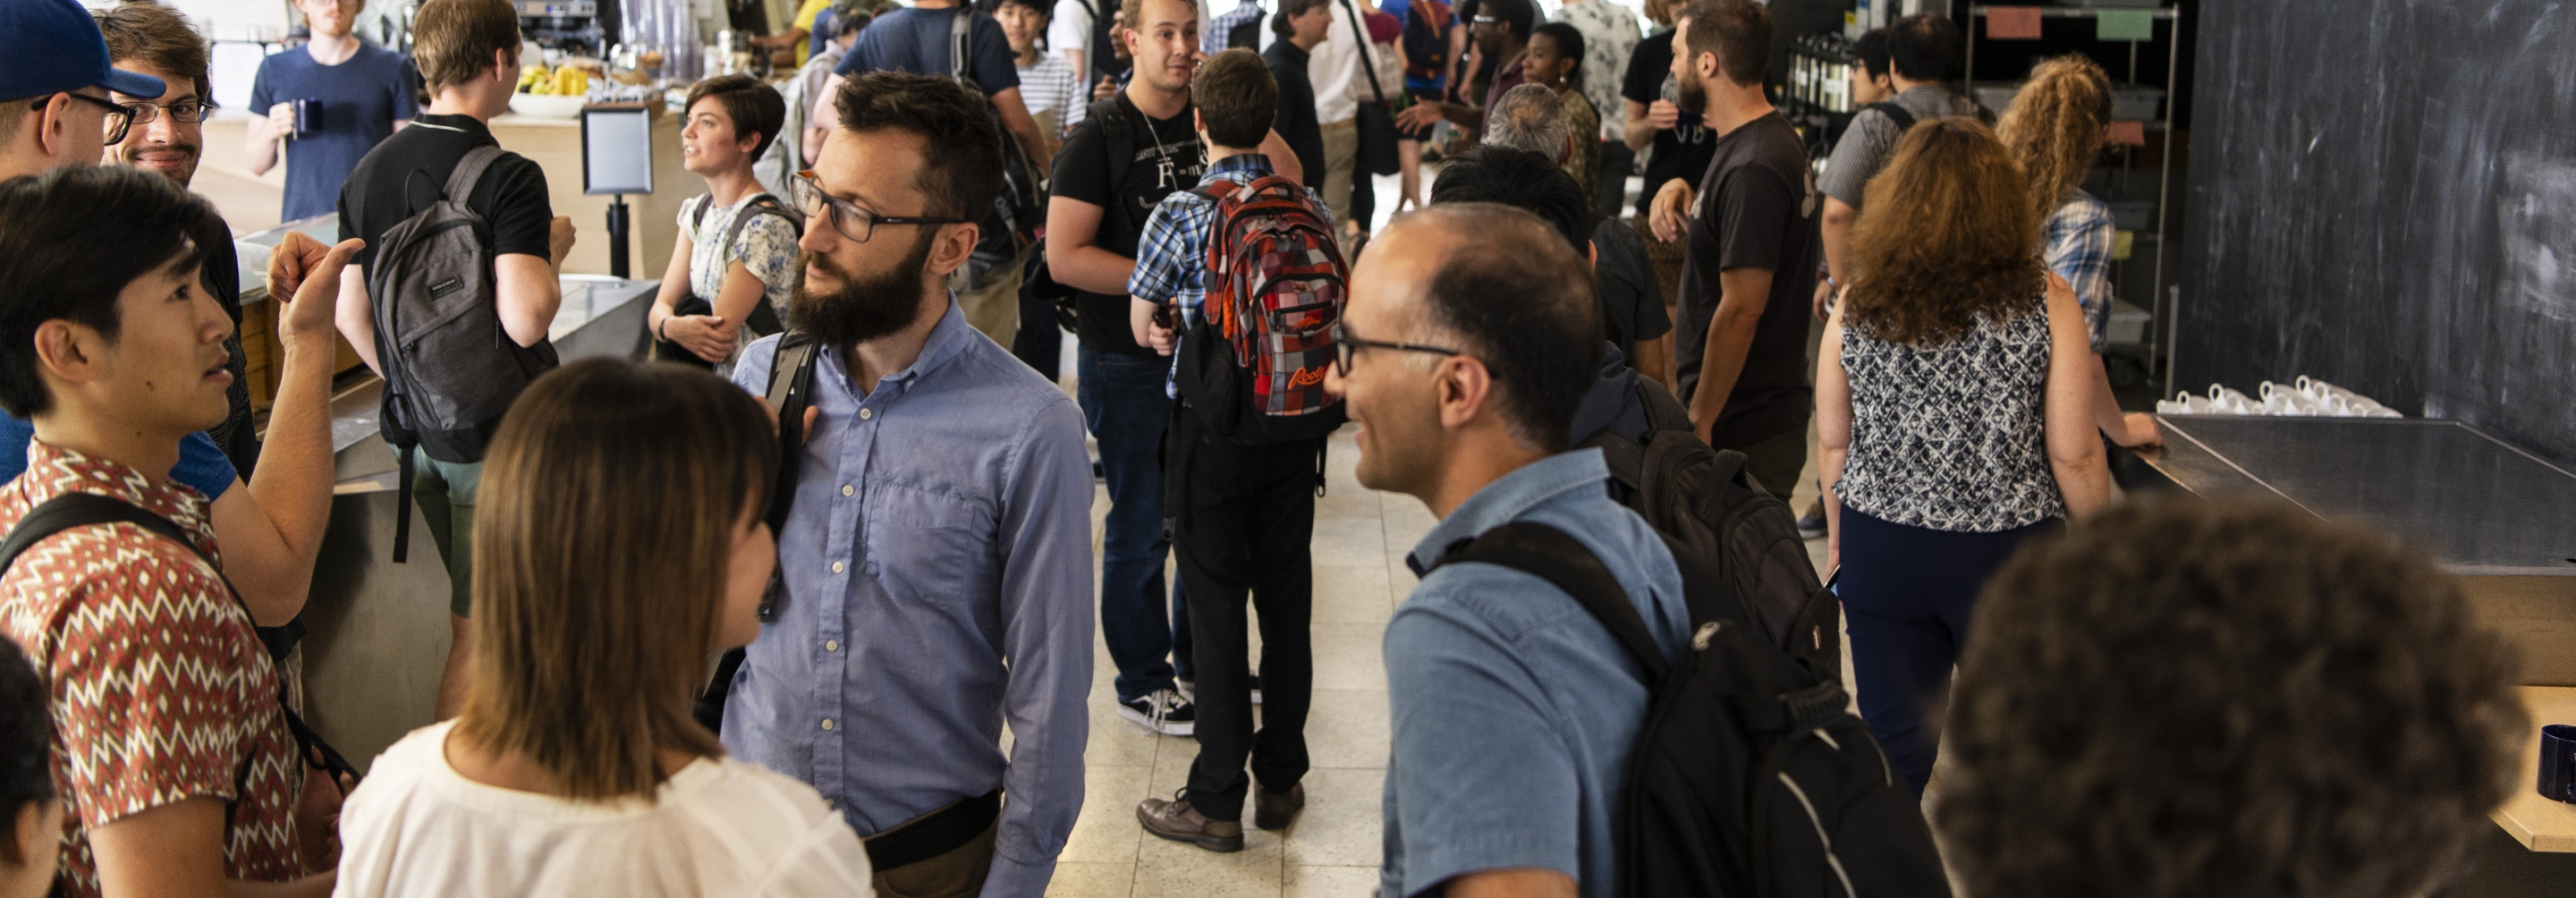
column 543, row 106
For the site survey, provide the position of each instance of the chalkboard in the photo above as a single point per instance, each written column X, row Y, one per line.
column 2382, row 194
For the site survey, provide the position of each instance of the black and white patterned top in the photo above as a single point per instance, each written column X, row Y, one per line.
column 1952, row 437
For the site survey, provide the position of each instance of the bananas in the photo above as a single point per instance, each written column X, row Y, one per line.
column 560, row 81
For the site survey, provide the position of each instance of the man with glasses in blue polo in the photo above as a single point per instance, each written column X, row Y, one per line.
column 55, row 107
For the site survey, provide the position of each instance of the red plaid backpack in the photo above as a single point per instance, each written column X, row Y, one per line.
column 1254, row 366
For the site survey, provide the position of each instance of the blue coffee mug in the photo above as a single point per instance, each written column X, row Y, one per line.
column 2558, row 762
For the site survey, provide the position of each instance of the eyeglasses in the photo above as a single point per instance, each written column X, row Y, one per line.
column 120, row 117
column 848, row 218
column 189, row 111
column 1347, row 344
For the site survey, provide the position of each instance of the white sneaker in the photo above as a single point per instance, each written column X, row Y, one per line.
column 1162, row 711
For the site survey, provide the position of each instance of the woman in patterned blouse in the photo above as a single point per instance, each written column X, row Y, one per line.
column 1952, row 403
column 735, row 260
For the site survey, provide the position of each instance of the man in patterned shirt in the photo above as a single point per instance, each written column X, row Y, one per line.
column 1609, row 35
column 1244, row 514
column 176, row 766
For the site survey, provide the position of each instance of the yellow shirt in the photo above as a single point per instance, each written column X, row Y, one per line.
column 805, row 19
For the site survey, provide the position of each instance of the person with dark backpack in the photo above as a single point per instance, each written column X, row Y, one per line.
column 1245, row 269
column 457, row 286
column 1133, row 148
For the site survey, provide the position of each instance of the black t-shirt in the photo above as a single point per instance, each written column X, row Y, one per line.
column 1295, row 120
column 1632, row 304
column 1126, row 191
column 511, row 196
column 1757, row 209
column 1681, row 151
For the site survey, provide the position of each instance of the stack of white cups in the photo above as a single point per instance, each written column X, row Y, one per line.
column 2308, row 397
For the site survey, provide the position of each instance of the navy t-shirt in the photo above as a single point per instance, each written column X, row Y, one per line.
column 201, row 464
column 916, row 40
column 361, row 100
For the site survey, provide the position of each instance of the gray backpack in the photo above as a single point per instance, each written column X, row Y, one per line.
column 450, row 369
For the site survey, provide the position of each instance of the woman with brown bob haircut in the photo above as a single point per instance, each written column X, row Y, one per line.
column 1952, row 400
column 620, row 546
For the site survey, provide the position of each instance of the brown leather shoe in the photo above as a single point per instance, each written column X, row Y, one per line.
column 1176, row 820
column 1274, row 810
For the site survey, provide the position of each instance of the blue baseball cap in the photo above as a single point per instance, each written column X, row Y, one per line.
column 51, row 46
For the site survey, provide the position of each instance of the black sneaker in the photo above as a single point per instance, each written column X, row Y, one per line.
column 1163, row 711
column 1812, row 524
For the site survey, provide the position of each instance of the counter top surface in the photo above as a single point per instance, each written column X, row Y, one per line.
column 2539, row 823
column 2441, row 482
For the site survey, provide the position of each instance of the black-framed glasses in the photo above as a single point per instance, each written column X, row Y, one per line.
column 855, row 223
column 120, row 117
column 1345, row 345
column 190, row 111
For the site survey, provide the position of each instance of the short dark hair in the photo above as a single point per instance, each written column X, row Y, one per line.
column 1522, row 15
column 1871, row 52
column 76, row 238
column 1289, row 9
column 845, row 24
column 963, row 172
column 1522, row 180
column 26, row 744
column 1925, row 47
column 752, row 104
column 1520, row 301
column 2186, row 697
column 1569, row 43
column 157, row 36
column 1738, row 31
column 994, row 7
column 453, row 40
column 1236, row 97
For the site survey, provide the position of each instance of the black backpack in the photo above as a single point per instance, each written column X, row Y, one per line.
column 1702, row 498
column 1019, row 213
column 763, row 319
column 1749, row 778
column 791, row 387
column 450, row 369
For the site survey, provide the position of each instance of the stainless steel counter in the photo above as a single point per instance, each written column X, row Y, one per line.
column 380, row 630
column 2501, row 519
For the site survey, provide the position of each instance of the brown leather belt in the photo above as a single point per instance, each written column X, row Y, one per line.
column 933, row 834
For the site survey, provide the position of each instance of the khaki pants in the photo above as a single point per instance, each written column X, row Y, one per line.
column 957, row 874
column 1341, row 161
column 994, row 306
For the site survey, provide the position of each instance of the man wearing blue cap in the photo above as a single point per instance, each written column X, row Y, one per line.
column 55, row 111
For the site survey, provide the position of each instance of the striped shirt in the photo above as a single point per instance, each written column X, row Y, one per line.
column 1050, row 85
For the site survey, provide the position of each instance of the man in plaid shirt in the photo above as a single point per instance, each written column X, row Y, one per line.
column 1241, row 515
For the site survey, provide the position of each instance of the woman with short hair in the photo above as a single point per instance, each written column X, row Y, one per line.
column 734, row 264
column 1951, row 399
column 620, row 545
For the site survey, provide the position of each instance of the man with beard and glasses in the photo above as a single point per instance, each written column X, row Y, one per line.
column 938, row 554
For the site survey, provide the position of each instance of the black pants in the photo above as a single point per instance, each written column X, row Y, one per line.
column 1242, row 520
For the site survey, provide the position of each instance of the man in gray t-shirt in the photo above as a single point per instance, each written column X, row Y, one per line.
column 1923, row 55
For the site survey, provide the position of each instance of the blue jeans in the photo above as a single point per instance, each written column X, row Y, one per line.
column 1908, row 596
column 1123, row 401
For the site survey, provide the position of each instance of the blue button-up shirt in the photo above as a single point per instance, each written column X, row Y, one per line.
column 941, row 531
column 1552, row 700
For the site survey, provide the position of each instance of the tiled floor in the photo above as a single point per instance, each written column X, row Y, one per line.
column 1332, row 850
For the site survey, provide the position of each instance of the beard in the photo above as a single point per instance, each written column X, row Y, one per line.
column 1694, row 95
column 862, row 309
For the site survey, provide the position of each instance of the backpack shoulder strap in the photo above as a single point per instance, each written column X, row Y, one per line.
column 1551, row 555
column 1663, row 411
column 469, row 171
column 791, row 383
column 698, row 216
column 1904, row 120
column 959, row 26
column 764, row 204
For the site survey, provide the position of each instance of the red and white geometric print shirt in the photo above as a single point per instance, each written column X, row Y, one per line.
column 161, row 690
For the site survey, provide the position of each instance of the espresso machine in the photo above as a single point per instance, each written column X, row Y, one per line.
column 576, row 27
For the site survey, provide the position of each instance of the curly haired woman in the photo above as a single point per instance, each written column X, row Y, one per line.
column 1952, row 403
column 2054, row 130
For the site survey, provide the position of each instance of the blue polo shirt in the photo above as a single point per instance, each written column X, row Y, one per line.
column 1515, row 712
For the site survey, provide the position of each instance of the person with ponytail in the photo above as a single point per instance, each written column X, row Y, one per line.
column 2055, row 129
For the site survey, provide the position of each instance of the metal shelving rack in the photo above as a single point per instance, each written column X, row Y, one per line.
column 2161, row 309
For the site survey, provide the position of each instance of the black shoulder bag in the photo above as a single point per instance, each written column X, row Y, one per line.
column 790, row 395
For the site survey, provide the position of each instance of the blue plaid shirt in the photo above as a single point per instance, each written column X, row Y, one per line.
column 1212, row 39
column 1171, row 255
column 2079, row 236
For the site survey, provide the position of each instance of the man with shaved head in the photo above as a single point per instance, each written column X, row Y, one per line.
column 1471, row 334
